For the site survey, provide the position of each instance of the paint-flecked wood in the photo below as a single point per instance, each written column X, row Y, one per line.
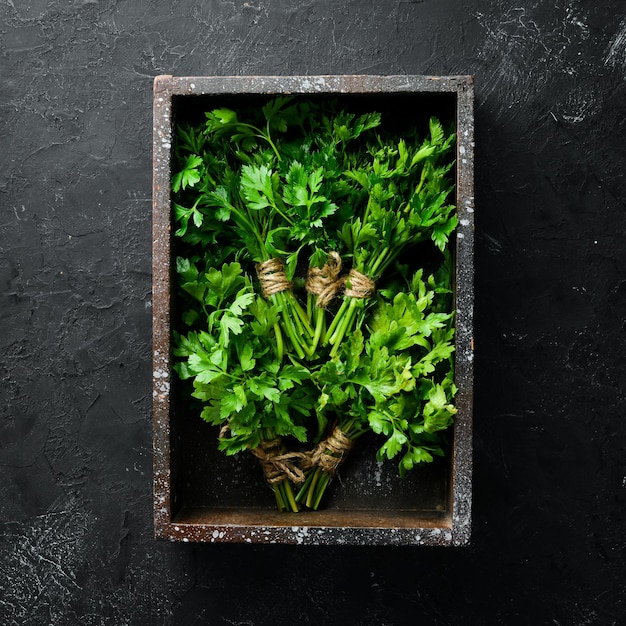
column 432, row 505
column 549, row 506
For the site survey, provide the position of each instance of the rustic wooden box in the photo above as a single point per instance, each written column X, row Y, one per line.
column 200, row 495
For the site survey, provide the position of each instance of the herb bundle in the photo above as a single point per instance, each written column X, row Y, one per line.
column 302, row 327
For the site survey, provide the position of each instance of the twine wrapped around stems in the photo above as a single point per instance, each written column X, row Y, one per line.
column 329, row 453
column 325, row 282
column 277, row 463
column 272, row 277
column 358, row 285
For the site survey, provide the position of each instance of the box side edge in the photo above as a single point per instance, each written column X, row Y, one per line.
column 162, row 132
column 463, row 455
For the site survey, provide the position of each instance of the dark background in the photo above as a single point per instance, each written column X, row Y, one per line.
column 75, row 301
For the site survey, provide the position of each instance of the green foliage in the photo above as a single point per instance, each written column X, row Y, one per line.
column 397, row 378
column 295, row 180
column 232, row 362
column 189, row 175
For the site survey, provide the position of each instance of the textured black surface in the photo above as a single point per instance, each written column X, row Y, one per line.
column 75, row 434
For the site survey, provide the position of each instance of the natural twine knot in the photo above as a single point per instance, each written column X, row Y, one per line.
column 329, row 453
column 359, row 285
column 324, row 282
column 277, row 463
column 272, row 277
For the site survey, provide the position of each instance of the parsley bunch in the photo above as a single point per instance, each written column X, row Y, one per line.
column 253, row 396
column 399, row 194
column 395, row 379
column 293, row 186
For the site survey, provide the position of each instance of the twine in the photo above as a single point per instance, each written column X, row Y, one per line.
column 359, row 285
column 277, row 463
column 272, row 277
column 324, row 282
column 330, row 452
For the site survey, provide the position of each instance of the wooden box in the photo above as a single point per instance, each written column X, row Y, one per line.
column 199, row 494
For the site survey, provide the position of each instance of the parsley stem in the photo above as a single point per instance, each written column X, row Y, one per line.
column 304, row 489
column 298, row 324
column 382, row 257
column 245, row 221
column 285, row 217
column 320, row 318
column 342, row 329
column 280, row 503
column 293, row 505
column 303, row 317
column 309, row 305
column 280, row 345
column 311, row 491
column 268, row 137
column 421, row 183
column 281, row 299
column 262, row 135
column 367, row 211
column 324, row 481
column 337, row 319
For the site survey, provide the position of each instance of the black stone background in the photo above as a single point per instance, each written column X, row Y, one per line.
column 75, row 333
